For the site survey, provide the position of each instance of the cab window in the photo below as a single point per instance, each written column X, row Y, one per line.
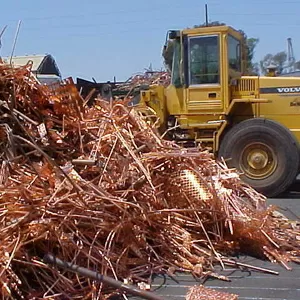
column 234, row 56
column 204, row 63
column 176, row 78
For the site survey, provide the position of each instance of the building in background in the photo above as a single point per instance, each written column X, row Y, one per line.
column 291, row 74
column 43, row 66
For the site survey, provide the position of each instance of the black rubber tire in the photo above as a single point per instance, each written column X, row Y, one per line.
column 277, row 138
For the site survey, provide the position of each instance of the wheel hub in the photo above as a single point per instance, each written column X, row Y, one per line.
column 258, row 161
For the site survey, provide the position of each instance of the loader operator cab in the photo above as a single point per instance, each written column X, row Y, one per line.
column 206, row 56
column 206, row 64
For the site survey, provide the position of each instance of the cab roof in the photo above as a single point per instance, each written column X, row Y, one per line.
column 211, row 30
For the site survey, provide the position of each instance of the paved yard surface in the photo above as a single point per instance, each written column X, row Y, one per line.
column 248, row 285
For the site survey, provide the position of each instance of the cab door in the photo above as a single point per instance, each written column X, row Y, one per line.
column 203, row 74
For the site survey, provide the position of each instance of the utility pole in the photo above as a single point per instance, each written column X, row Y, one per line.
column 291, row 56
column 206, row 14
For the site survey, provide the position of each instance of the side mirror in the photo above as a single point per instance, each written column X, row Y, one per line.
column 174, row 34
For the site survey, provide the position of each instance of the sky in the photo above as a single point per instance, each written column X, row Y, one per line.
column 101, row 39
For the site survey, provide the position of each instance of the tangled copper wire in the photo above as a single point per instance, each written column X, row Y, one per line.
column 98, row 187
column 203, row 293
column 147, row 78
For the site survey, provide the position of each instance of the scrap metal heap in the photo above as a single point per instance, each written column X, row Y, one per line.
column 98, row 187
column 130, row 87
column 146, row 78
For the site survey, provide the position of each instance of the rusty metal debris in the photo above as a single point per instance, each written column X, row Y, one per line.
column 97, row 187
column 131, row 86
column 146, row 78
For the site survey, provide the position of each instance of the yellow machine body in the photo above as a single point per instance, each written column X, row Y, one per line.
column 210, row 94
column 207, row 107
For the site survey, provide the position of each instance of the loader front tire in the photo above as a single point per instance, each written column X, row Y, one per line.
column 265, row 152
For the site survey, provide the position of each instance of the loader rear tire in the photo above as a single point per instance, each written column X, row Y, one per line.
column 265, row 152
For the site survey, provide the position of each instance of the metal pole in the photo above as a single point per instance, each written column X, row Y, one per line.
column 49, row 258
column 15, row 42
column 1, row 34
column 206, row 15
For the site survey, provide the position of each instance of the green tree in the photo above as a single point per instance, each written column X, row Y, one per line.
column 278, row 60
column 210, row 24
column 250, row 45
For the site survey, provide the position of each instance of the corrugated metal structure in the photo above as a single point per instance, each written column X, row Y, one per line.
column 291, row 74
column 43, row 66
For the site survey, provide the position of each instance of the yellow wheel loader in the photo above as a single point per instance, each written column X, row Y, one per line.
column 252, row 122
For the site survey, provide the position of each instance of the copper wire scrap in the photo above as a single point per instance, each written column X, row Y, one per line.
column 203, row 293
column 146, row 78
column 98, row 187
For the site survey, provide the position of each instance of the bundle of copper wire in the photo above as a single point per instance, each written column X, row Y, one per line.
column 203, row 293
column 98, row 187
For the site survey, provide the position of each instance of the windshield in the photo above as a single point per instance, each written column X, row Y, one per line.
column 176, row 78
column 204, row 60
column 234, row 56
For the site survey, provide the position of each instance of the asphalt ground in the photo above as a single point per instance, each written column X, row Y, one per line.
column 249, row 285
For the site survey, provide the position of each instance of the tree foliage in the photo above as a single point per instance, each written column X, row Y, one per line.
column 251, row 43
column 210, row 24
column 278, row 60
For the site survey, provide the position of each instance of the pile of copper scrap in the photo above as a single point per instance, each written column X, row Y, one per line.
column 98, row 187
column 146, row 78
